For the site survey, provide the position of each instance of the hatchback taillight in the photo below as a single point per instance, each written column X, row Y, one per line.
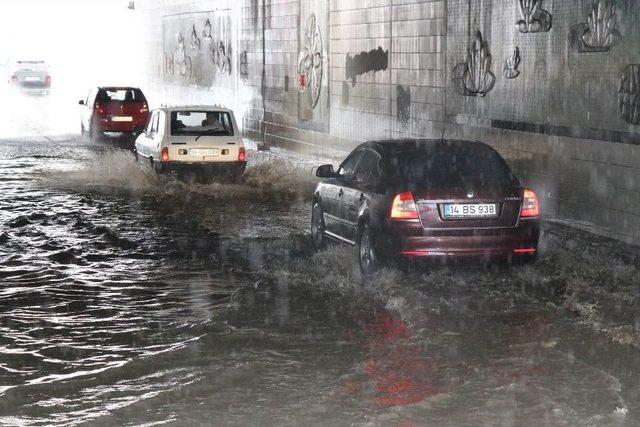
column 164, row 156
column 530, row 206
column 99, row 109
column 404, row 207
column 14, row 79
column 144, row 108
column 47, row 80
column 242, row 155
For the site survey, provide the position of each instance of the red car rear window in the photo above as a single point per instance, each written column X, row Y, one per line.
column 120, row 95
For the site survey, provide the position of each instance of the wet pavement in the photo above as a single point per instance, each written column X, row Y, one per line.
column 128, row 298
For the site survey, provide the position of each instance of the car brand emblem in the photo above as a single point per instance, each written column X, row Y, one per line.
column 470, row 194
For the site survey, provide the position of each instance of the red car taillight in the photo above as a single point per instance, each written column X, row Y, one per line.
column 530, row 205
column 99, row 109
column 242, row 155
column 404, row 207
column 164, row 156
column 144, row 108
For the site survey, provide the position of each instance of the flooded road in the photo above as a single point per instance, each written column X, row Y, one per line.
column 127, row 298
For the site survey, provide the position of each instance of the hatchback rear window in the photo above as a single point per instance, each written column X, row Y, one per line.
column 121, row 95
column 192, row 123
column 455, row 167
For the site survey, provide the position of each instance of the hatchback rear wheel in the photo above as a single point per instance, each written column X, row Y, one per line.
column 317, row 228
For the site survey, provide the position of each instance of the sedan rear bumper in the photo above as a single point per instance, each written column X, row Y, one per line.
column 204, row 168
column 519, row 240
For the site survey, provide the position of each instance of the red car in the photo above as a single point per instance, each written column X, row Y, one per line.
column 425, row 198
column 114, row 109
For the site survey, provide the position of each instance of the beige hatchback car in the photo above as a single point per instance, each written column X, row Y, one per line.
column 199, row 140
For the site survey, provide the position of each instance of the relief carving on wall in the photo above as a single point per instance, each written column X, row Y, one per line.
column 310, row 63
column 600, row 32
column 221, row 57
column 182, row 60
column 534, row 19
column 195, row 40
column 197, row 47
column 474, row 77
column 629, row 94
column 244, row 65
column 206, row 34
column 511, row 64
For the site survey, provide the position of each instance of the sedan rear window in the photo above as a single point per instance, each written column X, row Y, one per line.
column 451, row 168
column 196, row 123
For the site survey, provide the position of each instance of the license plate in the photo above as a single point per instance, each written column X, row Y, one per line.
column 121, row 119
column 203, row 152
column 32, row 79
column 471, row 210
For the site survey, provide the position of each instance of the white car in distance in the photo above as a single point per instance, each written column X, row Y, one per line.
column 192, row 141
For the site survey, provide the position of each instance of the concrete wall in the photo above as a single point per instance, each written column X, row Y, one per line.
column 390, row 68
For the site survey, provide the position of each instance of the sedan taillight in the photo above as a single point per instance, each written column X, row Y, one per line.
column 404, row 207
column 164, row 155
column 530, row 206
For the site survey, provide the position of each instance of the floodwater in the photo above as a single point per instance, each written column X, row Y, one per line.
column 128, row 298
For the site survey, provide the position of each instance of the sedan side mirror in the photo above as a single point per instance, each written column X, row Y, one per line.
column 81, row 102
column 325, row 171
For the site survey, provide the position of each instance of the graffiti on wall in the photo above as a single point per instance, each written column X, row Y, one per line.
column 533, row 18
column 600, row 32
column 629, row 94
column 474, row 77
column 206, row 56
column 311, row 63
column 365, row 62
column 403, row 104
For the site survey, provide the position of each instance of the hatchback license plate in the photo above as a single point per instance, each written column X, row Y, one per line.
column 32, row 79
column 471, row 210
column 121, row 119
column 203, row 151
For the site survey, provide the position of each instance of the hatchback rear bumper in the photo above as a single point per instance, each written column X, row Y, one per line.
column 106, row 125
column 411, row 242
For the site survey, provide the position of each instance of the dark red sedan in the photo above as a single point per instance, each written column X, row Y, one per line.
column 425, row 198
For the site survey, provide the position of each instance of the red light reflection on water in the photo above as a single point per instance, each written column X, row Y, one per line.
column 396, row 366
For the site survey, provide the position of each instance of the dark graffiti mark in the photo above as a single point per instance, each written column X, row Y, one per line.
column 403, row 103
column 244, row 65
column 345, row 93
column 364, row 62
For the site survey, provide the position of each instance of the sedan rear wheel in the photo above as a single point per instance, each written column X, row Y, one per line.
column 368, row 258
column 317, row 228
